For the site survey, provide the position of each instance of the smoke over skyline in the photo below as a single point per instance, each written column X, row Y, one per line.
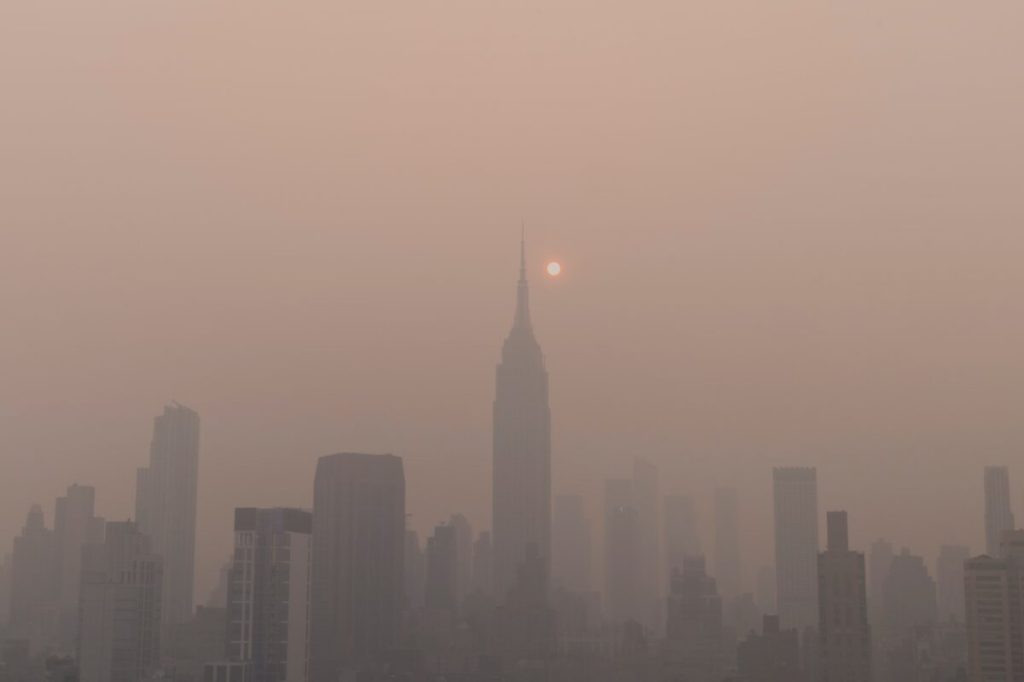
column 791, row 236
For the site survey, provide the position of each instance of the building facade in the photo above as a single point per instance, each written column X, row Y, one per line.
column 845, row 638
column 998, row 507
column 796, row 545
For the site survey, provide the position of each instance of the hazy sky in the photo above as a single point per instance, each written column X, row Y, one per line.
column 792, row 234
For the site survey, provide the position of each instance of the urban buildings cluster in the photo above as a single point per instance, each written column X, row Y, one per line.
column 345, row 591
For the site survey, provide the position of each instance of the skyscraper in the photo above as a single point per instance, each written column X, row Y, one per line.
column 358, row 562
column 571, row 550
column 34, row 581
column 165, row 505
column 464, row 555
column 843, row 608
column 681, row 536
column 75, row 525
column 119, row 638
column 645, row 500
column 880, row 558
column 949, row 574
column 522, row 448
column 998, row 509
column 694, row 637
column 483, row 563
column 994, row 589
column 268, row 606
column 441, row 591
column 621, row 547
column 796, row 545
column 727, row 543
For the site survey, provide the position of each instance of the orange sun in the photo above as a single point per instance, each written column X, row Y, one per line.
column 554, row 268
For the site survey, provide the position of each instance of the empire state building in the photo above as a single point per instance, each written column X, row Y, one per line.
column 522, row 447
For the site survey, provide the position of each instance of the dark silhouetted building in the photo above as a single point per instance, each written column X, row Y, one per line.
column 772, row 656
column 119, row 633
column 998, row 507
column 908, row 608
column 621, row 547
column 268, row 608
column 358, row 563
column 682, row 538
column 75, row 525
column 441, row 591
column 522, row 448
column 949, row 573
column 845, row 638
column 694, row 636
column 464, row 556
column 796, row 546
column 728, row 569
column 415, row 570
column 527, row 626
column 880, row 558
column 34, row 584
column 646, row 502
column 571, row 547
column 165, row 505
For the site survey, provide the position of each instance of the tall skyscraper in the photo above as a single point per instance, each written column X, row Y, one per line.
column 645, row 500
column 522, row 448
column 681, row 536
column 119, row 638
column 268, row 606
column 415, row 570
column 727, row 543
column 998, row 508
column 796, row 545
column 694, row 636
column 165, row 505
column 949, row 574
column 75, row 525
column 34, row 583
column 358, row 562
column 441, row 591
column 908, row 610
column 464, row 556
column 621, row 547
column 571, row 547
column 843, row 609
column 994, row 590
column 880, row 558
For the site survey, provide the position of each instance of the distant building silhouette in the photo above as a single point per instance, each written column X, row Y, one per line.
column 646, row 500
column 119, row 638
column 522, row 448
column 682, row 538
column 34, row 583
column 949, row 574
column 843, row 619
column 415, row 570
column 998, row 507
column 483, row 564
column 464, row 556
column 772, row 656
column 994, row 587
column 526, row 619
column 165, row 505
column 358, row 562
column 268, row 609
column 880, row 558
column 75, row 525
column 621, row 548
column 441, row 591
column 571, row 546
column 764, row 593
column 728, row 569
column 694, row 636
column 796, row 546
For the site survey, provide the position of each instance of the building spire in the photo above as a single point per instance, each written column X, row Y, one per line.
column 523, row 290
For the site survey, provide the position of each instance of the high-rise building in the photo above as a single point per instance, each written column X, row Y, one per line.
column 268, row 606
column 75, row 525
column 994, row 589
column 772, row 656
column 682, row 538
column 464, row 556
column 621, row 546
column 415, row 570
column 358, row 562
column 119, row 635
column 727, row 543
column 843, row 609
column 880, row 558
column 571, row 546
column 522, row 448
column 5, row 590
column 694, row 634
column 646, row 502
column 441, row 591
column 796, row 546
column 34, row 583
column 949, row 573
column 998, row 507
column 483, row 563
column 165, row 505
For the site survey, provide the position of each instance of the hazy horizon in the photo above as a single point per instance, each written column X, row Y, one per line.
column 791, row 235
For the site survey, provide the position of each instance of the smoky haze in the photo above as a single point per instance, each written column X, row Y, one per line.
column 790, row 235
